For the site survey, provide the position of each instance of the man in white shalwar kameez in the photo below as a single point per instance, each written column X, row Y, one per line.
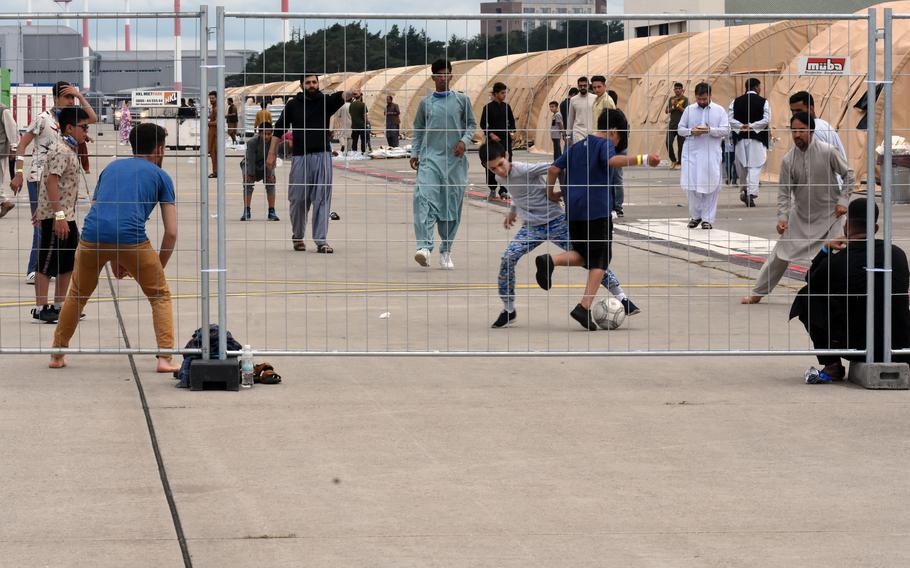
column 750, row 116
column 704, row 125
column 810, row 202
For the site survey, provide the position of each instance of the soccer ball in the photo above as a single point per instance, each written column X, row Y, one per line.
column 608, row 313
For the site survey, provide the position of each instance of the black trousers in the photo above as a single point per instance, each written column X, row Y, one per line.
column 557, row 149
column 671, row 134
column 362, row 135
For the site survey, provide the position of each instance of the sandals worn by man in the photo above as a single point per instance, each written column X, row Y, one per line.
column 299, row 245
column 324, row 249
column 264, row 373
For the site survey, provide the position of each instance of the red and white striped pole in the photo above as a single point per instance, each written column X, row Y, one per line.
column 284, row 9
column 178, row 51
column 126, row 30
column 85, row 51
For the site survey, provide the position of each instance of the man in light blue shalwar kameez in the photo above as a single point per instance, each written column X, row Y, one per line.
column 443, row 127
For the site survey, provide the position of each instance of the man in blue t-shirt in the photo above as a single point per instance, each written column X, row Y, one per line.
column 588, row 164
column 114, row 231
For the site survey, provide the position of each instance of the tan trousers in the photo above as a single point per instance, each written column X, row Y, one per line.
column 213, row 149
column 771, row 273
column 141, row 262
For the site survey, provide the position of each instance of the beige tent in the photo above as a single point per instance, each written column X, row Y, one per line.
column 525, row 77
column 387, row 83
column 724, row 57
column 509, row 69
column 836, row 97
column 421, row 84
column 622, row 62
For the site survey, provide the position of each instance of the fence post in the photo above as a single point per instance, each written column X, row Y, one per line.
column 204, row 292
column 219, row 205
column 886, row 190
column 871, row 84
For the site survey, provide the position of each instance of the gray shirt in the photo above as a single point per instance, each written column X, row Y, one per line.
column 527, row 184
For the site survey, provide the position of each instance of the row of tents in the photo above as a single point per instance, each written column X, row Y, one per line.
column 642, row 72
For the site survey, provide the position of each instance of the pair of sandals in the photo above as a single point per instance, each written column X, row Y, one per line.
column 264, row 373
column 321, row 249
column 704, row 224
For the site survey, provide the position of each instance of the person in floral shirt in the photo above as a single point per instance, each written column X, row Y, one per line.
column 56, row 213
column 41, row 134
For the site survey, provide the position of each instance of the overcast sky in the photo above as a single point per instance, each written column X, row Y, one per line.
column 257, row 34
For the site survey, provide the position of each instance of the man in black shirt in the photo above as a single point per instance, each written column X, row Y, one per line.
column 310, row 183
column 832, row 305
column 498, row 123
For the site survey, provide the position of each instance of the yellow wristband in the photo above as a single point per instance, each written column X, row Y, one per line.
column 20, row 171
column 59, row 216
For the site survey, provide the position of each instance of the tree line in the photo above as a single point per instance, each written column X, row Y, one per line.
column 353, row 48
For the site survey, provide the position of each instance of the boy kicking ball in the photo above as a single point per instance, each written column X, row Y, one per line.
column 541, row 220
column 587, row 164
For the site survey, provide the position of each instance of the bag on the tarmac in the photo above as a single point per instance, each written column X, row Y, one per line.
column 183, row 375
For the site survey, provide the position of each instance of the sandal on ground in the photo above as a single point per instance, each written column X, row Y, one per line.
column 299, row 245
column 213, row 176
column 264, row 373
column 324, row 249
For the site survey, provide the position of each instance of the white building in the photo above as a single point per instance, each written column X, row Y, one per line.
column 670, row 24
column 530, row 7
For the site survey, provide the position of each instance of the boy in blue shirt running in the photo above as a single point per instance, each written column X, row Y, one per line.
column 588, row 164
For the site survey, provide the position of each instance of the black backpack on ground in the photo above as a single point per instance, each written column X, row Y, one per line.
column 183, row 375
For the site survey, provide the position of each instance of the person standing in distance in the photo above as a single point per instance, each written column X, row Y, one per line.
column 443, row 127
column 498, row 123
column 392, row 122
column 310, row 182
column 750, row 115
column 675, row 108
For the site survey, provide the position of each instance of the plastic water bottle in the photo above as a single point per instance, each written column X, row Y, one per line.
column 246, row 367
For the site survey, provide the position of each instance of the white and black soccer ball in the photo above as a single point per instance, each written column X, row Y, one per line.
column 608, row 313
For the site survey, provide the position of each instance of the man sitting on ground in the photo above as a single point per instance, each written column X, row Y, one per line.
column 832, row 304
column 114, row 230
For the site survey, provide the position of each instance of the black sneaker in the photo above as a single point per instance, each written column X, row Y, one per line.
column 583, row 317
column 49, row 314
column 544, row 274
column 246, row 214
column 503, row 193
column 505, row 318
column 751, row 201
column 631, row 308
column 619, row 212
column 334, row 216
column 744, row 197
column 36, row 314
column 693, row 223
column 272, row 215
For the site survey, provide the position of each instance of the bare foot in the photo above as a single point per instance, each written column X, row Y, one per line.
column 750, row 300
column 57, row 362
column 166, row 365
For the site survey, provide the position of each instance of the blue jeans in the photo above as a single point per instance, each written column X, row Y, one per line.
column 529, row 238
column 36, row 232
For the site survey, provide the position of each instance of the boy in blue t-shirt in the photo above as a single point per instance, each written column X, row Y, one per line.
column 588, row 164
column 114, row 231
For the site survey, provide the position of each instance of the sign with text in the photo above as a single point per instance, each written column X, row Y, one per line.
column 824, row 65
column 156, row 98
